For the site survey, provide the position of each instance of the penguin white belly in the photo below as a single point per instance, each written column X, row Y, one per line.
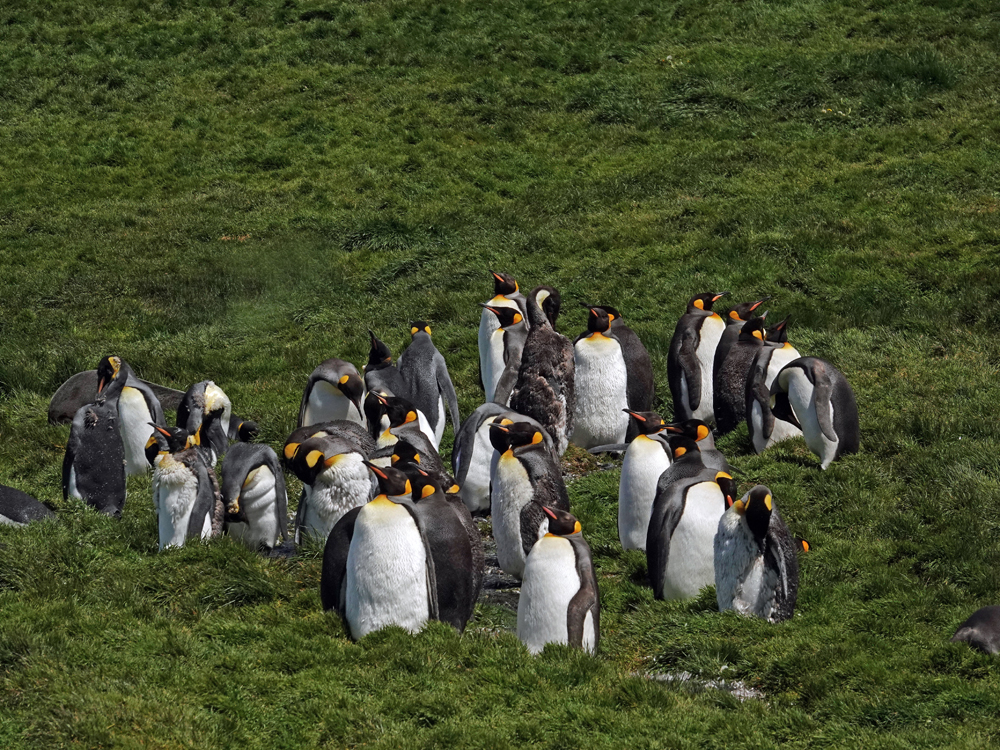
column 175, row 492
column 73, row 491
column 691, row 563
column 386, row 582
column 488, row 324
column 326, row 403
column 779, row 359
column 495, row 364
column 4, row 521
column 439, row 430
column 756, row 594
column 711, row 333
column 782, row 430
column 135, row 429
column 644, row 461
column 338, row 489
column 802, row 397
column 550, row 581
column 735, row 550
column 476, row 489
column 512, row 490
column 259, row 502
column 601, row 392
column 425, row 427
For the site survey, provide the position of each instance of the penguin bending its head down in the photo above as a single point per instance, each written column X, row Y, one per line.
column 546, row 377
column 692, row 356
column 201, row 399
column 756, row 562
column 352, row 432
column 815, row 396
column 137, row 407
column 380, row 373
column 505, row 294
column 428, row 384
column 765, row 428
column 377, row 567
column 405, row 421
column 253, row 490
column 560, row 601
column 504, row 349
column 981, row 631
column 730, row 380
column 601, row 384
column 405, row 454
column 526, row 478
column 19, row 508
column 334, row 391
column 94, row 465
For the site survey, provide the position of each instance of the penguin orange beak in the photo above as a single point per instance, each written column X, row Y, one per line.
column 497, row 276
column 758, row 303
column 375, row 470
column 634, row 414
column 719, row 296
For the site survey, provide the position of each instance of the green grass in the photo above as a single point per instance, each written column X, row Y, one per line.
column 379, row 157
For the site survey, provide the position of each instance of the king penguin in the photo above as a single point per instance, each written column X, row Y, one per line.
column 526, row 478
column 505, row 294
column 701, row 433
column 756, row 564
column 646, row 458
column 184, row 495
column 560, row 601
column 730, row 382
column 735, row 318
column 816, row 397
column 981, row 631
column 428, row 384
column 691, row 357
column 334, row 391
column 94, row 465
column 690, row 500
column 19, row 508
column 504, row 349
column 253, row 490
column 352, row 432
column 137, row 407
column 601, row 384
column 200, row 399
column 380, row 373
column 765, row 428
column 377, row 567
column 546, row 382
column 406, row 421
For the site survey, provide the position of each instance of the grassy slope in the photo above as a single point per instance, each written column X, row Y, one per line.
column 381, row 156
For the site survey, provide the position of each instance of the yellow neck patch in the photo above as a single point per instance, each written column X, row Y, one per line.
column 699, row 304
column 427, row 491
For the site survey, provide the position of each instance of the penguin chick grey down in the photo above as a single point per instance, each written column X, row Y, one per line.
column 756, row 563
column 428, row 383
column 253, row 490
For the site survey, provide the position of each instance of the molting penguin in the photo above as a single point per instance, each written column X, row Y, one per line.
column 200, row 399
column 735, row 318
column 184, row 495
column 334, row 391
column 690, row 500
column 691, row 357
column 377, row 567
column 525, row 479
column 756, row 564
column 19, row 508
column 380, row 373
column 816, row 397
column 730, row 382
column 137, row 407
column 981, row 630
column 427, row 381
column 560, row 601
column 352, row 432
column 94, row 465
column 546, row 384
column 601, row 384
column 455, row 544
column 646, row 458
column 504, row 353
column 505, row 294
column 765, row 428
column 335, row 480
column 253, row 490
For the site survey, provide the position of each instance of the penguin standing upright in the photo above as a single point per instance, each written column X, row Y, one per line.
column 690, row 500
column 601, row 384
column 406, row 421
column 428, row 384
column 730, row 382
column 137, row 407
column 546, row 383
column 505, row 294
column 765, row 428
column 94, row 465
column 560, row 601
column 184, row 496
column 200, row 399
column 334, row 391
column 735, row 318
column 691, row 357
column 19, row 508
column 781, row 352
column 526, row 478
column 646, row 458
column 756, row 564
column 253, row 490
column 816, row 397
column 505, row 345
column 377, row 567
column 380, row 373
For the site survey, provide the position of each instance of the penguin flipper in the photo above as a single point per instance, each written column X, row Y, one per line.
column 532, row 516
column 691, row 369
column 302, row 406
column 780, row 555
column 205, row 500
column 433, row 610
column 334, row 573
column 822, row 394
column 666, row 514
column 447, row 389
column 613, row 448
column 280, row 498
column 300, row 517
column 586, row 599
column 759, row 393
column 505, row 386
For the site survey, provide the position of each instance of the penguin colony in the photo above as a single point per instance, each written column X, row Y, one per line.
column 400, row 544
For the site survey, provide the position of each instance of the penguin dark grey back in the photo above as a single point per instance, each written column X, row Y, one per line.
column 428, row 384
column 380, row 373
column 253, row 491
column 735, row 318
column 692, row 356
column 981, row 631
column 19, row 508
column 730, row 381
column 503, row 353
column 138, row 406
column 765, row 428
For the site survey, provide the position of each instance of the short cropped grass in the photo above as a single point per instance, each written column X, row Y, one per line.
column 239, row 190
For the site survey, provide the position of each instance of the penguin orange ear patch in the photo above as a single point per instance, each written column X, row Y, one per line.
column 414, row 330
column 734, row 315
column 427, row 491
column 290, row 450
column 314, row 458
column 699, row 304
column 577, row 528
column 702, row 432
column 536, row 438
column 758, row 335
column 517, row 318
column 678, row 452
column 452, row 490
column 804, row 545
column 411, row 416
column 767, row 501
column 150, row 442
column 427, row 330
column 409, row 488
column 344, row 379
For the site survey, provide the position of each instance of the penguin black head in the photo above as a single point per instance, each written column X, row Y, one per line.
column 500, row 434
column 778, row 333
column 108, row 370
column 704, row 301
column 549, row 300
column 314, row 455
column 422, row 484
column 781, row 408
column 692, row 428
column 420, row 326
column 379, row 353
column 353, row 387
column 503, row 284
column 391, row 482
column 399, row 410
column 600, row 319
column 403, row 454
column 520, row 434
column 374, row 409
column 682, row 445
column 755, row 507
column 508, row 316
column 728, row 486
column 753, row 329
column 648, row 422
column 247, row 431
column 561, row 523
column 744, row 311
column 167, row 440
